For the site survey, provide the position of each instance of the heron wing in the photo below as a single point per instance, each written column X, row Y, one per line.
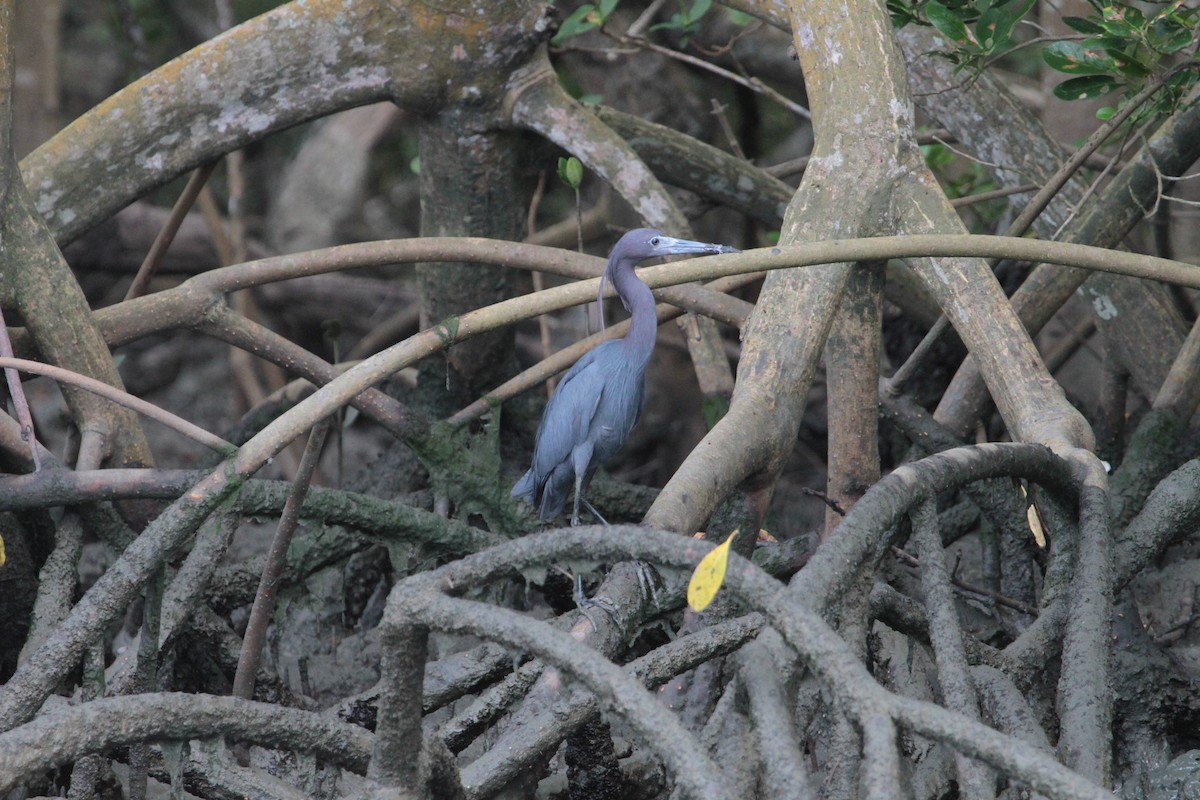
column 569, row 413
column 619, row 409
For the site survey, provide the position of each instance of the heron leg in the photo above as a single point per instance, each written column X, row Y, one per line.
column 585, row 603
column 581, row 458
column 592, row 509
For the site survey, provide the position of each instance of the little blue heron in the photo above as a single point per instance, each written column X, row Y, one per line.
column 598, row 402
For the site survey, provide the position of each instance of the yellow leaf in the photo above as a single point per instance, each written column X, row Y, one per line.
column 1035, row 525
column 709, row 575
column 1034, row 518
column 3, row 557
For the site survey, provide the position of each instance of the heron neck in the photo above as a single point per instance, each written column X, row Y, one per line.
column 643, row 327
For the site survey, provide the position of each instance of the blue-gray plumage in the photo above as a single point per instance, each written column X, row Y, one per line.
column 598, row 402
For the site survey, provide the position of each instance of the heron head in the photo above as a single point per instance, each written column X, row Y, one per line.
column 642, row 243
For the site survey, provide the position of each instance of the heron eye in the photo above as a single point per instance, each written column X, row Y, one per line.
column 655, row 242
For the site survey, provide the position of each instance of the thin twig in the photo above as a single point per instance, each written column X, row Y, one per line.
column 235, row 172
column 964, row 154
column 983, row 197
column 1065, row 347
column 539, row 280
column 974, row 75
column 17, row 392
column 643, row 21
column 264, row 600
column 166, row 234
column 1095, row 184
column 211, row 211
column 718, row 111
column 895, row 384
column 1067, row 37
column 1042, row 199
column 970, row 588
column 1072, row 164
column 119, row 397
column 146, row 677
column 833, row 505
column 753, row 84
column 797, row 165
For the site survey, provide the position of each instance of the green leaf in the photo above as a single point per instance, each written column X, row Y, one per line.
column 713, row 408
column 1131, row 15
column 1121, row 19
column 947, row 23
column 1085, row 87
column 984, row 32
column 1130, row 66
column 1167, row 35
column 1071, row 58
column 996, row 24
column 953, row 58
column 1109, row 43
column 607, row 7
column 447, row 331
column 902, row 13
column 1106, row 113
column 699, row 9
column 1083, row 25
column 570, row 171
column 740, row 18
column 582, row 20
column 1020, row 9
column 673, row 24
column 1180, row 84
column 936, row 155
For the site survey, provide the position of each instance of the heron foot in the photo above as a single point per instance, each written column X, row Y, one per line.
column 575, row 517
column 649, row 581
column 584, row 603
column 592, row 509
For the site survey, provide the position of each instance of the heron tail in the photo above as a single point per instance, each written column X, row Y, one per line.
column 526, row 488
column 554, row 500
column 550, row 498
